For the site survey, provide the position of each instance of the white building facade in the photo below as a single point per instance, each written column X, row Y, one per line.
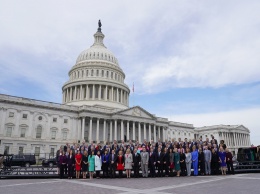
column 95, row 107
column 234, row 136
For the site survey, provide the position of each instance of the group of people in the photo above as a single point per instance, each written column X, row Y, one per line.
column 152, row 158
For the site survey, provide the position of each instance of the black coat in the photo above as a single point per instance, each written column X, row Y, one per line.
column 201, row 157
column 160, row 158
column 152, row 158
column 166, row 158
column 136, row 159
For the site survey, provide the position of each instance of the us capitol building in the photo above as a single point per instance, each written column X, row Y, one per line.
column 95, row 107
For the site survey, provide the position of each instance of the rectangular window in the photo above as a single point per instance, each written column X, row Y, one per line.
column 11, row 114
column 52, row 152
column 111, row 75
column 7, row 150
column 54, row 120
column 64, row 136
column 20, row 152
column 8, row 132
column 39, row 133
column 97, row 72
column 65, row 120
column 37, row 151
column 53, row 135
column 24, row 116
column 23, row 130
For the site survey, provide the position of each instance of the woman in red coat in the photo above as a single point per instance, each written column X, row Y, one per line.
column 78, row 159
column 120, row 163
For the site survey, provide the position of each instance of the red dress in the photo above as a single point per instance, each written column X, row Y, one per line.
column 120, row 161
column 78, row 158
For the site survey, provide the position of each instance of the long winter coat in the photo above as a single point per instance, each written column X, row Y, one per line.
column 98, row 162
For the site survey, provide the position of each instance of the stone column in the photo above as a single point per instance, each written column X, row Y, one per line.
column 145, row 131
column 105, row 97
column 90, row 130
column 99, row 92
column 159, row 132
column 121, row 96
column 115, row 135
column 104, row 130
column 79, row 129
column 75, row 93
column 93, row 92
column 112, row 93
column 111, row 131
column 117, row 95
column 154, row 133
column 127, row 130
column 81, row 92
column 83, row 128
column 139, row 132
column 87, row 92
column 134, row 130
column 70, row 93
column 150, row 134
column 122, row 130
column 97, row 132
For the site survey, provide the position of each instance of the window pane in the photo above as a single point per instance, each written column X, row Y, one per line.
column 20, row 151
column 39, row 132
column 53, row 134
column 9, row 132
column 64, row 135
column 37, row 151
column 23, row 130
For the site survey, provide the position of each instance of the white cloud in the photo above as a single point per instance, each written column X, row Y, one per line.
column 247, row 117
column 222, row 49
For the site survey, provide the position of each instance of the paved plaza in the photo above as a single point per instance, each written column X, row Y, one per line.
column 242, row 183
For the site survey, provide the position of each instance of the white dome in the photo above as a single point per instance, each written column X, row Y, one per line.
column 97, row 52
column 96, row 79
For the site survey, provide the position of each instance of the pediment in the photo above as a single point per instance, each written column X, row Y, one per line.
column 243, row 128
column 136, row 112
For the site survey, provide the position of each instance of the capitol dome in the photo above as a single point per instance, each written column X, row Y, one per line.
column 96, row 79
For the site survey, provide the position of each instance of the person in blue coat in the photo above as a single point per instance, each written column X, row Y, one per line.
column 194, row 158
column 105, row 163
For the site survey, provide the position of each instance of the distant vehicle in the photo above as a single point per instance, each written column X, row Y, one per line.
column 21, row 160
column 49, row 162
column 248, row 154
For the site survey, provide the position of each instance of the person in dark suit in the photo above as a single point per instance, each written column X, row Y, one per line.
column 112, row 163
column 159, row 162
column 214, row 162
column 71, row 164
column 63, row 163
column 152, row 162
column 136, row 163
column 166, row 161
column 201, row 162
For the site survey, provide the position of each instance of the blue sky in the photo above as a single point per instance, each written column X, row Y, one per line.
column 191, row 61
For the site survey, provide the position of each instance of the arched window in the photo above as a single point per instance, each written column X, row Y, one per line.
column 92, row 72
column 107, row 73
column 102, row 73
column 112, row 75
column 97, row 72
column 39, row 132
